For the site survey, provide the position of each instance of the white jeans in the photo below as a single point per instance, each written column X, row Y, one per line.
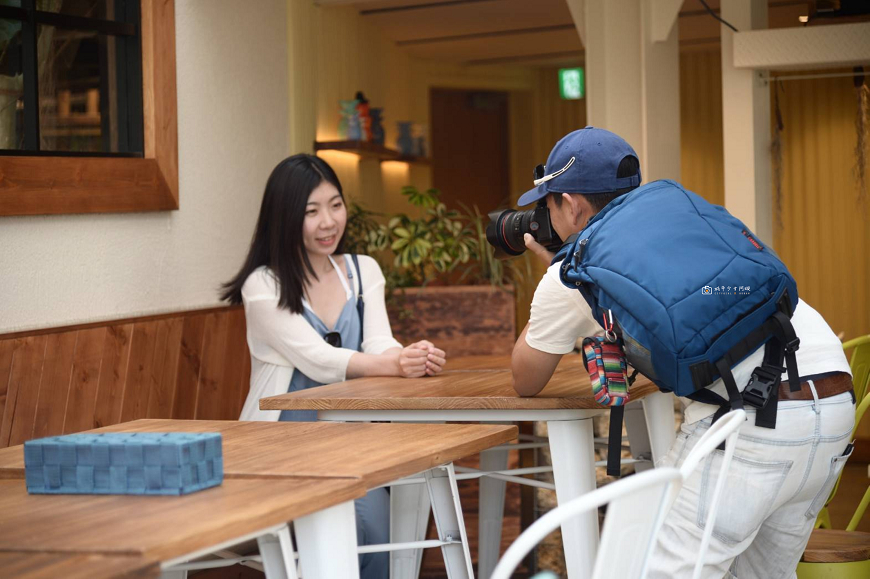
column 777, row 483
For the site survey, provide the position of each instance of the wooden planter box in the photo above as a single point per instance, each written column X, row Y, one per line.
column 461, row 320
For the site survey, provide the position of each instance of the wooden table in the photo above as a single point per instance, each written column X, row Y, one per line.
column 479, row 389
column 29, row 565
column 375, row 453
column 173, row 529
column 258, row 455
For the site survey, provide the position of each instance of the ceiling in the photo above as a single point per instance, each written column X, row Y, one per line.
column 527, row 32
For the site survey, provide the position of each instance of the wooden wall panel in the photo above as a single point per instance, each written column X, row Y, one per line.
column 24, row 391
column 54, row 386
column 235, row 353
column 86, row 366
column 188, row 365
column 113, row 375
column 166, row 375
column 7, row 350
column 157, row 367
column 135, row 395
column 211, row 375
column 245, row 378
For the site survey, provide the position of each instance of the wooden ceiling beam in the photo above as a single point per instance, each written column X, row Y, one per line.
column 490, row 34
column 405, row 7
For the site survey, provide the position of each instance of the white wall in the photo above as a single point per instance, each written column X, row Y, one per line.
column 232, row 130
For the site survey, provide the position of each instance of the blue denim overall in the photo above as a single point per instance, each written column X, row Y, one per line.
column 373, row 510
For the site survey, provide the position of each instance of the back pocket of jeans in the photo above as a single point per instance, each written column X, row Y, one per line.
column 747, row 498
column 837, row 464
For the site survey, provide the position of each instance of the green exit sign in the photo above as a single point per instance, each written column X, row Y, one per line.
column 572, row 83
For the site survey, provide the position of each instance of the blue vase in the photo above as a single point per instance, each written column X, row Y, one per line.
column 348, row 114
column 354, row 131
column 405, row 142
column 377, row 126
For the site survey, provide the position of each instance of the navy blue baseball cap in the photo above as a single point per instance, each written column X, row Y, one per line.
column 585, row 161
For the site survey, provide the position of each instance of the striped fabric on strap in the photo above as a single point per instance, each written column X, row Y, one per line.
column 606, row 364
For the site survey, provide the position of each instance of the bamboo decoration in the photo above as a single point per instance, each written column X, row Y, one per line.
column 776, row 155
column 862, row 124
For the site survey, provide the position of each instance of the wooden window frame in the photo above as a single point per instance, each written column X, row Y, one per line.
column 48, row 185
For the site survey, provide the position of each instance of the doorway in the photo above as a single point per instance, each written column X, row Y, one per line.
column 471, row 148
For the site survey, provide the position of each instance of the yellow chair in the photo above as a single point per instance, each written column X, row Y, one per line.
column 859, row 363
column 840, row 554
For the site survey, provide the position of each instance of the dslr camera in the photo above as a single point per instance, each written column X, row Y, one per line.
column 506, row 229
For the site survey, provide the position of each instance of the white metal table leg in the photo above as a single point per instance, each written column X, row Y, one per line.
column 573, row 456
column 491, row 509
column 409, row 519
column 447, row 511
column 638, row 435
column 659, row 411
column 173, row 574
column 277, row 552
column 327, row 543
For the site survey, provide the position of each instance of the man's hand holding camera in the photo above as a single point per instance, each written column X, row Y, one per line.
column 539, row 250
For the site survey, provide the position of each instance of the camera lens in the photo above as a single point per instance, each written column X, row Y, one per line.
column 505, row 230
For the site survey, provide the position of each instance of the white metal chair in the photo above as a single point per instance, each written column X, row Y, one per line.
column 637, row 508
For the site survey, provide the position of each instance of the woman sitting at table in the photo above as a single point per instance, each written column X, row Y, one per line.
column 306, row 324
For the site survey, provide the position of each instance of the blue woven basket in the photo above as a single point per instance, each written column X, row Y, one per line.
column 122, row 463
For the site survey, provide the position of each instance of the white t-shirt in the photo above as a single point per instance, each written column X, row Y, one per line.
column 281, row 341
column 560, row 316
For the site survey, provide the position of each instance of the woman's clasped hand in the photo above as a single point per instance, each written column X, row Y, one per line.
column 420, row 359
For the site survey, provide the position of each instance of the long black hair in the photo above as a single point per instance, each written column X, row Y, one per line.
column 277, row 241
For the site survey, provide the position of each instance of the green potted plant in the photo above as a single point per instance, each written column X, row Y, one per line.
column 443, row 280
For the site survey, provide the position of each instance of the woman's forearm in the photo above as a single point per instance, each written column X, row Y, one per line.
column 384, row 364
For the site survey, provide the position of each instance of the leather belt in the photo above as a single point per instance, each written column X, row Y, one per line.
column 825, row 388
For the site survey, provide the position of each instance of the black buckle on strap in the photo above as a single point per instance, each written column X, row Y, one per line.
column 762, row 382
column 792, row 346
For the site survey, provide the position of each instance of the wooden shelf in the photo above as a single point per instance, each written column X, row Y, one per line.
column 413, row 159
column 369, row 150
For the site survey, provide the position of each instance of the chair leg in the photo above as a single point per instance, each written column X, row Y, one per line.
column 850, row 570
column 638, row 435
column 409, row 519
column 447, row 511
column 823, row 521
column 491, row 509
column 327, row 543
column 659, row 411
column 277, row 552
column 573, row 454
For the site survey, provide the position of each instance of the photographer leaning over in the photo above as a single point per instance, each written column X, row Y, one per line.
column 791, row 450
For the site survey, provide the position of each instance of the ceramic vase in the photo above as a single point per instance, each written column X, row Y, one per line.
column 405, row 142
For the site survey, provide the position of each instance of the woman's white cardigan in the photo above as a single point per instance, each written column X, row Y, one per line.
column 281, row 341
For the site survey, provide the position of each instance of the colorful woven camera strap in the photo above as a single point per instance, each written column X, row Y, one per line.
column 608, row 373
column 605, row 362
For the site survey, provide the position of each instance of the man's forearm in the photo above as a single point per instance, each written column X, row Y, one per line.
column 531, row 369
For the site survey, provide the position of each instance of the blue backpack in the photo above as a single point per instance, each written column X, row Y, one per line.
column 691, row 291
